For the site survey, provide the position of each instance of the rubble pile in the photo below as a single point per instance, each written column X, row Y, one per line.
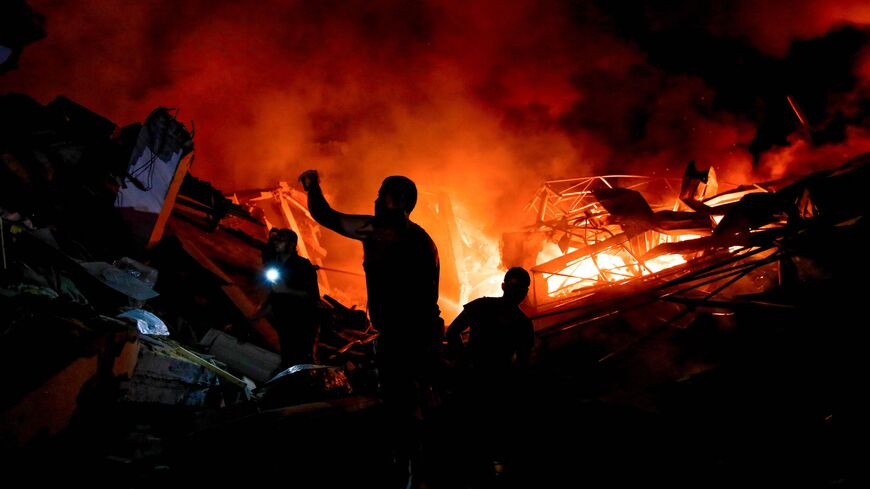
column 126, row 285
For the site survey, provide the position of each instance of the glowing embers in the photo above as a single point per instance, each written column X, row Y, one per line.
column 609, row 266
column 663, row 262
column 587, row 271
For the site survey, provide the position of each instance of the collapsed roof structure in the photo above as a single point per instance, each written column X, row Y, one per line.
column 610, row 235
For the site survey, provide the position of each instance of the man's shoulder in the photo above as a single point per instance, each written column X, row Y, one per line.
column 482, row 303
column 417, row 229
column 418, row 233
column 485, row 300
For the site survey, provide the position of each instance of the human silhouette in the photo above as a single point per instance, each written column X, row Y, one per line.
column 402, row 271
column 293, row 299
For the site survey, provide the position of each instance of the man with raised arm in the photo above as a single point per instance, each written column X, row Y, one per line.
column 401, row 268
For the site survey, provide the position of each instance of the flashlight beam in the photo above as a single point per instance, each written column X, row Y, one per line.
column 272, row 275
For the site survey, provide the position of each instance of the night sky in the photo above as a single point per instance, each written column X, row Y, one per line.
column 486, row 99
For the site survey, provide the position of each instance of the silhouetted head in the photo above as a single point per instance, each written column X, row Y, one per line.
column 285, row 241
column 516, row 285
column 396, row 198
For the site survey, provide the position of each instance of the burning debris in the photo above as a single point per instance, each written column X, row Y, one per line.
column 598, row 233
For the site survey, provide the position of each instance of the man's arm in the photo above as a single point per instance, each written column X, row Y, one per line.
column 454, row 333
column 354, row 226
column 308, row 288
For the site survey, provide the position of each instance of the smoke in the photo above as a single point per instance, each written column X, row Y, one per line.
column 483, row 99
column 773, row 25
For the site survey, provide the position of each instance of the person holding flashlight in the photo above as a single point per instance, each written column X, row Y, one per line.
column 293, row 299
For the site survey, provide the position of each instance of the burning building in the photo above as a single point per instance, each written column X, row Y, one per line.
column 696, row 323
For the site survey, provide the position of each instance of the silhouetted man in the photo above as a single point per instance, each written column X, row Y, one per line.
column 401, row 267
column 500, row 341
column 293, row 299
column 501, row 336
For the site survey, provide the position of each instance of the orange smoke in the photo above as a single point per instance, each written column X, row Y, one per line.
column 773, row 25
column 800, row 157
column 489, row 96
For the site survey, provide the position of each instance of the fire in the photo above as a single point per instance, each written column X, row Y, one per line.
column 480, row 272
column 664, row 262
column 602, row 268
column 476, row 254
column 587, row 271
column 580, row 244
column 587, row 247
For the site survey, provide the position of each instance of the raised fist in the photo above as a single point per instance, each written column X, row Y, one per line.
column 308, row 179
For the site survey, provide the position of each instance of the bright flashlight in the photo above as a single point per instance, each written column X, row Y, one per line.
column 272, row 275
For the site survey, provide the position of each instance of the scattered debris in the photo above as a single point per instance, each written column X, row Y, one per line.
column 305, row 383
column 165, row 376
column 146, row 322
column 252, row 361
